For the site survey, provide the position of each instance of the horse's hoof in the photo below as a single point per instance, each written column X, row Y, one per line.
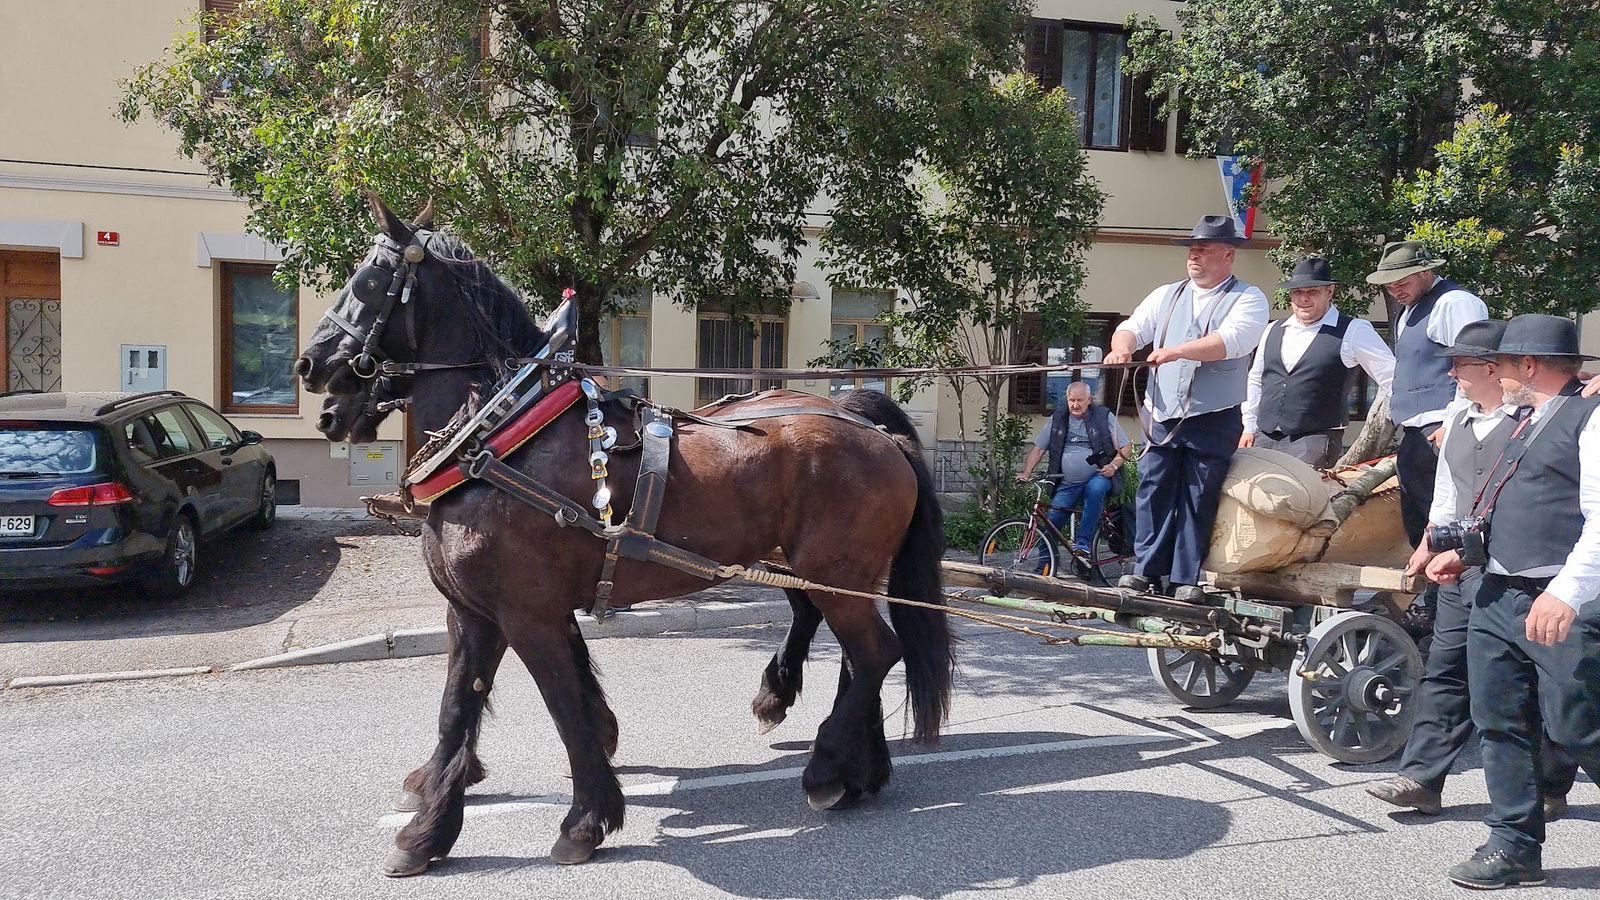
column 568, row 852
column 765, row 725
column 401, row 863
column 825, row 799
column 406, row 801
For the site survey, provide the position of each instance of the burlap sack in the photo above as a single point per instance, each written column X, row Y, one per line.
column 1268, row 501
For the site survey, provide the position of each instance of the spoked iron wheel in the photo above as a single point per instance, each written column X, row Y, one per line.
column 1017, row 546
column 1198, row 679
column 1351, row 687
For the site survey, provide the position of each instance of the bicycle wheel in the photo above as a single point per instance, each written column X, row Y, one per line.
column 1017, row 545
column 1104, row 564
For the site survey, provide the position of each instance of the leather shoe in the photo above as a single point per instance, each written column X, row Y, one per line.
column 1489, row 869
column 1555, row 806
column 1403, row 791
column 1132, row 582
column 1191, row 593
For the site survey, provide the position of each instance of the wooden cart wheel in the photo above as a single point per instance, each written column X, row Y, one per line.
column 1199, row 679
column 1351, row 686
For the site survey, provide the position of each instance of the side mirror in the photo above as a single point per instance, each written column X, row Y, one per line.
column 246, row 438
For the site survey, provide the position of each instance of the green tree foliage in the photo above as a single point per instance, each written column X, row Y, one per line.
column 583, row 143
column 1471, row 123
column 988, row 208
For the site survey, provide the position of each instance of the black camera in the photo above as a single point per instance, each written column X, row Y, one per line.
column 1467, row 537
column 1100, row 460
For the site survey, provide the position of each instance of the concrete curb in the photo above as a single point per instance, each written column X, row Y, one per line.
column 431, row 641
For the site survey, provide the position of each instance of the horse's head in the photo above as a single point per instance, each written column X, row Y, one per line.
column 418, row 304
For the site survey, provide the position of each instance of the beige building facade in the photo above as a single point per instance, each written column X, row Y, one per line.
column 122, row 266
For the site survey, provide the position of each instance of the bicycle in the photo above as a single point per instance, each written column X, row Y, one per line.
column 1032, row 544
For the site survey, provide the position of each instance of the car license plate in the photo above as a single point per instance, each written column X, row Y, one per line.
column 16, row 526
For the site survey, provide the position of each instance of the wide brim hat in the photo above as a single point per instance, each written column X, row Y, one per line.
column 1212, row 229
column 1477, row 340
column 1312, row 271
column 1402, row 258
column 1535, row 334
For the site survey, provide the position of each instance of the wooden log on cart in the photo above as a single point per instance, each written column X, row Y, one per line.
column 1326, row 584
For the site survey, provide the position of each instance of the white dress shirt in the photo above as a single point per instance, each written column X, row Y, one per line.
column 1443, row 510
column 1576, row 581
column 1453, row 311
column 1361, row 347
column 1240, row 329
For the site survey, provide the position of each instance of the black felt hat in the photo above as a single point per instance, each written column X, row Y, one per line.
column 1312, row 271
column 1214, row 229
column 1477, row 340
column 1533, row 334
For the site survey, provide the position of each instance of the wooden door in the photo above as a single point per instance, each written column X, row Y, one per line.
column 30, row 310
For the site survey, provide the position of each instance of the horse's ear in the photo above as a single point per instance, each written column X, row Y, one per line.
column 387, row 221
column 424, row 219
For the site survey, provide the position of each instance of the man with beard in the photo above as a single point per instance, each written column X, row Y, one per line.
column 1533, row 643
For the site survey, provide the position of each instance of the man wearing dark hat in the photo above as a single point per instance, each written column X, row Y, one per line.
column 1202, row 330
column 1434, row 311
column 1473, row 439
column 1533, row 643
column 1296, row 396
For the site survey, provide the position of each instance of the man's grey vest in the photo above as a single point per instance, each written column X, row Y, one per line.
column 1422, row 379
column 1536, row 519
column 1469, row 457
column 1311, row 398
column 1186, row 387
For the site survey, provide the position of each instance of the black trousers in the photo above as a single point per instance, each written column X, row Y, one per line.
column 1444, row 708
column 1180, row 485
column 1515, row 685
column 1319, row 448
column 1415, row 463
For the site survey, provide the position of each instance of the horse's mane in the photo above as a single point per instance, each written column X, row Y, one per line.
column 497, row 313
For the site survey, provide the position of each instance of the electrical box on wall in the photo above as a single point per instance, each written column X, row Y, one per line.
column 144, row 367
column 377, row 463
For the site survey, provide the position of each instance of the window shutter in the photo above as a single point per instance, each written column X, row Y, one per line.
column 1185, row 139
column 1042, row 59
column 1147, row 126
column 222, row 11
column 1027, row 348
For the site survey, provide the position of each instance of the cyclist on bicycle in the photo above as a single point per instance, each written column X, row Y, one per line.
column 1086, row 446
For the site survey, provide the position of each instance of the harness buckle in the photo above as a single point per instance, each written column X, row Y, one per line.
column 478, row 461
column 364, row 361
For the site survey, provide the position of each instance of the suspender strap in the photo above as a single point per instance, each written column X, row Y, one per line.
column 1513, row 453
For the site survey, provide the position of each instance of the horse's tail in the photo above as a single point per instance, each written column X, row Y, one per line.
column 915, row 575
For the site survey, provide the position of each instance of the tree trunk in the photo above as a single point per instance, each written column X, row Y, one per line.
column 1378, row 437
column 588, row 299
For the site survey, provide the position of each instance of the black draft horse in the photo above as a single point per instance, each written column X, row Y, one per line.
column 732, row 495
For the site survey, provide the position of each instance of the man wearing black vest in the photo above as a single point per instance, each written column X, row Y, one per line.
column 1202, row 330
column 1085, row 446
column 1296, row 397
column 1434, row 310
column 1534, row 640
column 1473, row 439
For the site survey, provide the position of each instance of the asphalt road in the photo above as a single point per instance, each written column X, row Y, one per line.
column 1064, row 773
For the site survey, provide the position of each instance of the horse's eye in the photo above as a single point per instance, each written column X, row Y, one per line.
column 371, row 284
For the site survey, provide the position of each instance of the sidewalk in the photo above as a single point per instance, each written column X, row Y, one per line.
column 359, row 608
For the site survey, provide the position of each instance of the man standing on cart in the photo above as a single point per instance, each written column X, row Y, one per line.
column 1533, row 643
column 1296, row 397
column 1202, row 330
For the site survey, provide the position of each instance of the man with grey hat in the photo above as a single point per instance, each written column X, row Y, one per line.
column 1434, row 310
column 1533, row 643
column 1295, row 401
column 1202, row 330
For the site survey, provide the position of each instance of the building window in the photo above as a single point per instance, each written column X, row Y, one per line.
column 858, row 320
column 1115, row 111
column 219, row 12
column 260, row 332
column 1043, row 394
column 625, row 341
column 749, row 341
column 1363, row 391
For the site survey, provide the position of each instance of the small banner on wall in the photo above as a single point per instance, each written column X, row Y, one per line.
column 1239, row 181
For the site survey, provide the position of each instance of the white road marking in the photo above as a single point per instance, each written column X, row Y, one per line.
column 684, row 785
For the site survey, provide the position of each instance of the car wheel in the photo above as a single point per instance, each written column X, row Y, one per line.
column 267, row 511
column 179, row 565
